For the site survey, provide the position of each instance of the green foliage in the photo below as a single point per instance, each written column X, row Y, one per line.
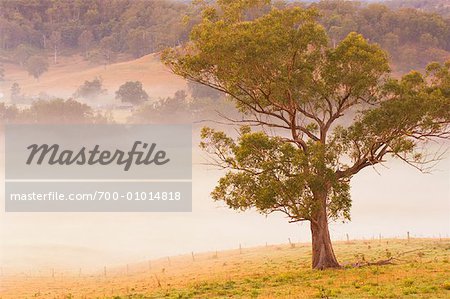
column 2, row 73
column 418, row 109
column 199, row 91
column 36, row 65
column 413, row 37
column 136, row 27
column 132, row 92
column 8, row 113
column 22, row 53
column 272, row 175
column 16, row 93
column 62, row 111
column 439, row 75
column 285, row 75
column 179, row 108
column 85, row 40
column 436, row 6
column 235, row 10
column 166, row 110
column 56, row 111
column 90, row 89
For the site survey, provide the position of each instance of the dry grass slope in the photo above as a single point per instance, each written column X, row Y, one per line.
column 64, row 78
column 422, row 270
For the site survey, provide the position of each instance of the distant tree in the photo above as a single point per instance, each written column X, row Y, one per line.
column 391, row 42
column 55, row 111
column 132, row 92
column 437, row 6
column 8, row 114
column 22, row 53
column 102, row 56
column 36, row 65
column 90, row 89
column 167, row 110
column 405, row 55
column 2, row 73
column 207, row 103
column 16, row 93
column 199, row 91
column 55, row 42
column 92, row 16
column 137, row 42
column 61, row 111
column 173, row 104
column 427, row 40
column 106, row 50
column 440, row 76
column 85, row 41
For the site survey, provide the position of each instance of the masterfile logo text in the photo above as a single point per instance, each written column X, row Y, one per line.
column 132, row 168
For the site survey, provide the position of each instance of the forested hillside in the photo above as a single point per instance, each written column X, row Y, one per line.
column 94, row 28
column 441, row 7
column 100, row 30
column 412, row 37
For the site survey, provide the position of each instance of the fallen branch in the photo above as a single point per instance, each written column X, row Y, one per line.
column 389, row 261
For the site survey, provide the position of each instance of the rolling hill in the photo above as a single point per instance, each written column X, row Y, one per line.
column 64, row 78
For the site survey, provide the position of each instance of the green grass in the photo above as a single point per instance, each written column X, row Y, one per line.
column 421, row 270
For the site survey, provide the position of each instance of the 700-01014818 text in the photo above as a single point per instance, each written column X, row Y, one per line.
column 99, row 195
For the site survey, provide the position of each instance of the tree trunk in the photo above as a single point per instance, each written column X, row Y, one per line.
column 322, row 250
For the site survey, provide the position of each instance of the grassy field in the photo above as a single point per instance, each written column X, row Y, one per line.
column 421, row 269
column 64, row 78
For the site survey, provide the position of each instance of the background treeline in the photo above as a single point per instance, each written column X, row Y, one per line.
column 412, row 37
column 95, row 27
column 101, row 29
column 55, row 111
column 439, row 6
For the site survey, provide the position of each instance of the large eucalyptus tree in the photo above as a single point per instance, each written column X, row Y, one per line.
column 326, row 112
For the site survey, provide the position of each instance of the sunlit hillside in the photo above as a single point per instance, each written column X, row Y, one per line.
column 63, row 78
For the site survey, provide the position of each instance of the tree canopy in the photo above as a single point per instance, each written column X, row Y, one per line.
column 36, row 66
column 132, row 92
column 90, row 89
column 55, row 111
